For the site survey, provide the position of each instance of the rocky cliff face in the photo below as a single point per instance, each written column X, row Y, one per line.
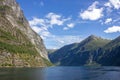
column 16, row 37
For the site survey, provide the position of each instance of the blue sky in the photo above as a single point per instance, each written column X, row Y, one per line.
column 62, row 22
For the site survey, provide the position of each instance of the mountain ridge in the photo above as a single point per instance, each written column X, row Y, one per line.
column 91, row 51
column 70, row 54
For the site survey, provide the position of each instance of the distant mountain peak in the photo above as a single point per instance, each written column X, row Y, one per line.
column 79, row 54
column 93, row 37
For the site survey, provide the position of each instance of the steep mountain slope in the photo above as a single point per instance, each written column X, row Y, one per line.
column 78, row 53
column 110, row 53
column 58, row 55
column 20, row 46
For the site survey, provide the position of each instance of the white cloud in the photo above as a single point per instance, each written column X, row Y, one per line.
column 108, row 4
column 115, row 3
column 49, row 20
column 108, row 20
column 45, row 34
column 71, row 25
column 92, row 13
column 55, row 19
column 65, row 28
column 112, row 29
column 41, row 25
column 37, row 21
column 43, row 31
column 36, row 29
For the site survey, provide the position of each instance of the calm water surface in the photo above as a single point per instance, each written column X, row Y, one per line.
column 61, row 73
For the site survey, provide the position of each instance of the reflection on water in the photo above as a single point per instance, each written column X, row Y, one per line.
column 61, row 73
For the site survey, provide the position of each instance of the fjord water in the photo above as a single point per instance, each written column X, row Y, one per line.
column 61, row 73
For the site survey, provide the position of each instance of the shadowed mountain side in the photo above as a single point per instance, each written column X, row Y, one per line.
column 78, row 53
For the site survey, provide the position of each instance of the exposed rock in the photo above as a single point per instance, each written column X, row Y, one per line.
column 15, row 31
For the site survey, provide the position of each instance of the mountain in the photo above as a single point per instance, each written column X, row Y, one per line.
column 60, row 53
column 20, row 46
column 51, row 50
column 78, row 53
column 110, row 53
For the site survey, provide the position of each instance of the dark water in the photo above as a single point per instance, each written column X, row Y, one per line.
column 61, row 73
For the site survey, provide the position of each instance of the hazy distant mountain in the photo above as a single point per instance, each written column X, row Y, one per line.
column 51, row 50
column 78, row 53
